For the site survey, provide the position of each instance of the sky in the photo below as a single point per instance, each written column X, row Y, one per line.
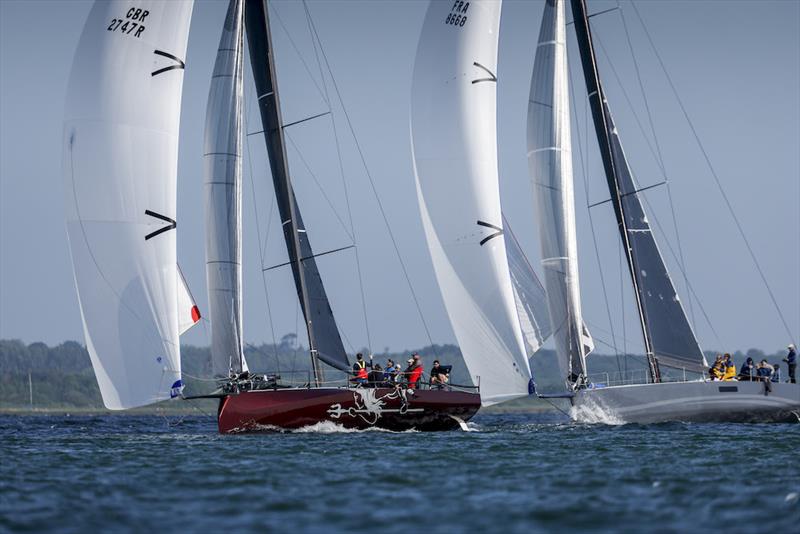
column 736, row 67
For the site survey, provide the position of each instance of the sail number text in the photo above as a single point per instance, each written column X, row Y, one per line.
column 131, row 24
column 457, row 15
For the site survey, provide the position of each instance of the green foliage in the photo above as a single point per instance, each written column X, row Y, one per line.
column 62, row 376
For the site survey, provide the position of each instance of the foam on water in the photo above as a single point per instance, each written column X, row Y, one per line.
column 329, row 427
column 589, row 411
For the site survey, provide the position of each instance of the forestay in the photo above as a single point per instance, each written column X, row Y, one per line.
column 454, row 143
column 550, row 168
column 223, row 190
column 120, row 171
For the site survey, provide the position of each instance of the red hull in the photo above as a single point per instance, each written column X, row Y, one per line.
column 359, row 408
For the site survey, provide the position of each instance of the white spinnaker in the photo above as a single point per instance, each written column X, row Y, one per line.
column 223, row 189
column 550, row 166
column 454, row 144
column 120, row 171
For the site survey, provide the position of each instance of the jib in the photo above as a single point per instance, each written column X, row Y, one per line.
column 136, row 14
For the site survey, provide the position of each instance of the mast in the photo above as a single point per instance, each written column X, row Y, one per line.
column 597, row 101
column 324, row 340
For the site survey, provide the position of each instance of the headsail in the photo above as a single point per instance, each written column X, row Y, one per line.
column 669, row 338
column 529, row 295
column 223, row 189
column 454, row 143
column 120, row 172
column 550, row 167
column 188, row 312
column 324, row 338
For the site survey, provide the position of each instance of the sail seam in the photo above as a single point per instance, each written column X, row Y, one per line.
column 548, row 149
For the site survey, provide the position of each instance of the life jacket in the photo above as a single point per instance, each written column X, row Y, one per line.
column 730, row 372
column 716, row 370
column 361, row 372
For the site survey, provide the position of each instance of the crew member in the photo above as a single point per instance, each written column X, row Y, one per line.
column 718, row 369
column 791, row 361
column 439, row 374
column 747, row 371
column 376, row 377
column 730, row 367
column 414, row 371
column 360, row 370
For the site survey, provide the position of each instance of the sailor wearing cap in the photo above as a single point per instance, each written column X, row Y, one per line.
column 791, row 362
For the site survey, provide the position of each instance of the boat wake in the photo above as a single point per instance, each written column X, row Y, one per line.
column 329, row 427
column 589, row 411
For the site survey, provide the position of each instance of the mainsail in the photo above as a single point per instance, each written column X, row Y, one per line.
column 454, row 143
column 120, row 176
column 323, row 334
column 223, row 189
column 669, row 338
column 550, row 167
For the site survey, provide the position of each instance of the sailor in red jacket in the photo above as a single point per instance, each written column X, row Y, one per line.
column 414, row 371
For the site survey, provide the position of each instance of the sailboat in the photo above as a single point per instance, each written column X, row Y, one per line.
column 669, row 339
column 120, row 169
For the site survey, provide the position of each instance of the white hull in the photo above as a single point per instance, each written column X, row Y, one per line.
column 688, row 401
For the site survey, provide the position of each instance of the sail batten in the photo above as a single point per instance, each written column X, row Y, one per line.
column 223, row 190
column 454, row 146
column 550, row 168
column 120, row 164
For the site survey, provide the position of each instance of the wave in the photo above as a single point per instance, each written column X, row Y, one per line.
column 589, row 411
column 329, row 427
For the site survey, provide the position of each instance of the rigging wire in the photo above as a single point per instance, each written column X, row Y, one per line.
column 715, row 176
column 299, row 55
column 319, row 186
column 372, row 184
column 315, row 43
column 660, row 158
column 651, row 211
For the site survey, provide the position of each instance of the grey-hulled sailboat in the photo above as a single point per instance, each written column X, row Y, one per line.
column 668, row 337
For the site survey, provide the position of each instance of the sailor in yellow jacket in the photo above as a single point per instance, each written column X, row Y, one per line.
column 730, row 368
column 717, row 370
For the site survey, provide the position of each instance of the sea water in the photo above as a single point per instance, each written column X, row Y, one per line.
column 508, row 473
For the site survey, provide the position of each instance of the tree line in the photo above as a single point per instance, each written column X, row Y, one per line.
column 61, row 376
